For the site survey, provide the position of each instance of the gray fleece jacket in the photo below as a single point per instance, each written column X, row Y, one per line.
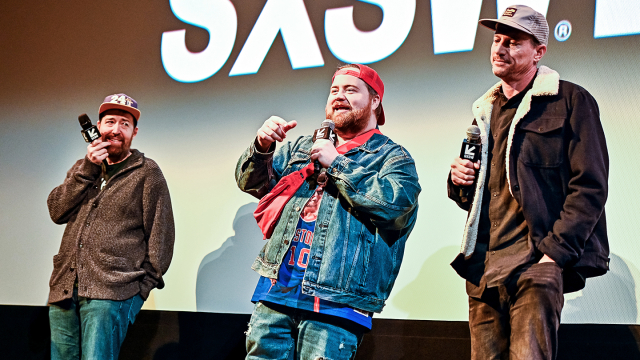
column 118, row 241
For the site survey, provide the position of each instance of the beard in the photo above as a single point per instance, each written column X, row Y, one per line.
column 353, row 121
column 118, row 151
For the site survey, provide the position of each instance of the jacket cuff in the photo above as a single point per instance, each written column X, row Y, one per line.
column 338, row 165
column 556, row 252
column 257, row 156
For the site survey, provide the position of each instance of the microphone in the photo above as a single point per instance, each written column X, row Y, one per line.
column 324, row 132
column 470, row 151
column 89, row 131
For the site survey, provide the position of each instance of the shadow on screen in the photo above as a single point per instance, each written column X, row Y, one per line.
column 225, row 280
column 607, row 299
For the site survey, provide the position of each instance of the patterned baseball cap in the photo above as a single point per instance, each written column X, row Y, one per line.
column 370, row 77
column 120, row 102
column 523, row 18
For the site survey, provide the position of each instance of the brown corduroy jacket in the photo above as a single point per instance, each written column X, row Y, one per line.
column 119, row 240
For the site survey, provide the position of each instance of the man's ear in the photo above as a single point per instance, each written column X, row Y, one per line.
column 540, row 51
column 135, row 132
column 375, row 102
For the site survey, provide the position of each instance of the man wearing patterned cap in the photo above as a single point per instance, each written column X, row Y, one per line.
column 335, row 239
column 536, row 224
column 118, row 241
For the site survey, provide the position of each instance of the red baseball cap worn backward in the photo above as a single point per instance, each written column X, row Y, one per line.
column 371, row 78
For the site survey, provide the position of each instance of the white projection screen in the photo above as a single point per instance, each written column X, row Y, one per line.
column 207, row 73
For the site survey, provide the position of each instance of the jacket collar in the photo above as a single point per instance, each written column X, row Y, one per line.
column 135, row 159
column 373, row 145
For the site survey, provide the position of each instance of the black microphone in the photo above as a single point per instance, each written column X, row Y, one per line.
column 324, row 132
column 470, row 151
column 89, row 131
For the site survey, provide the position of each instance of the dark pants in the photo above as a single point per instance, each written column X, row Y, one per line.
column 518, row 320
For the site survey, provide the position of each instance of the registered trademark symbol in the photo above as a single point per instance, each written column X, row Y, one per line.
column 563, row 30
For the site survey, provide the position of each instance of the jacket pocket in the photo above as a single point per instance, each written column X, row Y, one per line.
column 57, row 274
column 542, row 142
column 298, row 161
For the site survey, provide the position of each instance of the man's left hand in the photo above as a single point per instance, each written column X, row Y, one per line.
column 323, row 151
column 545, row 258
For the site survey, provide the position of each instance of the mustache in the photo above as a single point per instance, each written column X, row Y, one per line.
column 340, row 103
column 114, row 137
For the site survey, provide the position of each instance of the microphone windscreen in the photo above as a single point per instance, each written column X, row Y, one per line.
column 328, row 123
column 84, row 120
column 473, row 133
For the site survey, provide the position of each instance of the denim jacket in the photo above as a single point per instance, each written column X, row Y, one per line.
column 367, row 212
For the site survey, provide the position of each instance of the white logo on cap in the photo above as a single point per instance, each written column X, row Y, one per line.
column 122, row 100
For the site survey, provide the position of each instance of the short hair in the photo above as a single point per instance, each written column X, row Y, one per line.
column 372, row 92
column 135, row 121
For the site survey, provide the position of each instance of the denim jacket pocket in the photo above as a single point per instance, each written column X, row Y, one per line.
column 298, row 160
column 542, row 142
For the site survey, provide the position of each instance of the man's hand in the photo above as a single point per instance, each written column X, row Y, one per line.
column 546, row 258
column 274, row 129
column 323, row 151
column 97, row 151
column 463, row 171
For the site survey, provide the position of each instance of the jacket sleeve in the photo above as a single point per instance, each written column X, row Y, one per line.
column 587, row 189
column 159, row 229
column 65, row 200
column 388, row 195
column 257, row 173
column 455, row 194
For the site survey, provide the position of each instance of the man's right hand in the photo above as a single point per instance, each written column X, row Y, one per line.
column 463, row 171
column 274, row 129
column 97, row 151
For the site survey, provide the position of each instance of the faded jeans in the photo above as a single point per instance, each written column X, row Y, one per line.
column 86, row 329
column 518, row 320
column 284, row 333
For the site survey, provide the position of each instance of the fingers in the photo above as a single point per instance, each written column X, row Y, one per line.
column 274, row 129
column 290, row 125
column 324, row 152
column 97, row 151
column 463, row 171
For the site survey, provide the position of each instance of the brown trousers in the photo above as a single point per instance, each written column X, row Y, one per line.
column 518, row 320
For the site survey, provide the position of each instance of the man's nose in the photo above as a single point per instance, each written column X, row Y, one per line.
column 116, row 129
column 340, row 95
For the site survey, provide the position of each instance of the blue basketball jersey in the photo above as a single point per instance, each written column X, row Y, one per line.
column 287, row 289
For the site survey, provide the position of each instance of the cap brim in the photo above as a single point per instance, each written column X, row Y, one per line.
column 108, row 106
column 493, row 24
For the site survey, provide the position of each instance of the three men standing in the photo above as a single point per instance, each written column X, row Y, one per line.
column 336, row 240
column 536, row 224
column 118, row 241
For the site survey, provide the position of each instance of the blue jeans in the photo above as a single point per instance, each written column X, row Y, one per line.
column 85, row 329
column 280, row 332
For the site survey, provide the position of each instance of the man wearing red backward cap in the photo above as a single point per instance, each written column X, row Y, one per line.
column 335, row 240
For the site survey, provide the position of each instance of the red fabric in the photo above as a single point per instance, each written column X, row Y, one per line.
column 271, row 205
